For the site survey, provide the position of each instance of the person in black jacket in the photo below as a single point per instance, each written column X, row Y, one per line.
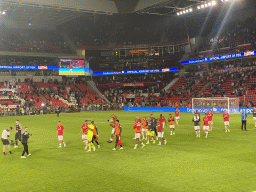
column 18, row 133
column 154, row 124
column 24, row 141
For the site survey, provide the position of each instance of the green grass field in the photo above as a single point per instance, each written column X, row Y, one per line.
column 222, row 162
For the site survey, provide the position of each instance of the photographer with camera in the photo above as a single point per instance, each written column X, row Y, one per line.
column 24, row 141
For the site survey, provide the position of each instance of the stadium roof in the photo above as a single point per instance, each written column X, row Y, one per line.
column 49, row 13
column 169, row 7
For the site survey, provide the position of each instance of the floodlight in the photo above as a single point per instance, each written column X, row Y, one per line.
column 205, row 5
column 187, row 10
column 209, row 4
column 202, row 6
column 213, row 2
column 184, row 11
column 178, row 14
column 190, row 9
column 3, row 13
column 181, row 13
column 198, row 7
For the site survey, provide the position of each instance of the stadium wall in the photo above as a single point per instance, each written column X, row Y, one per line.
column 181, row 109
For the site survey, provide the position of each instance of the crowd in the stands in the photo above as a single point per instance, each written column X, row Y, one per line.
column 240, row 38
column 31, row 40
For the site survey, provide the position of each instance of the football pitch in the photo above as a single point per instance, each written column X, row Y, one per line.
column 222, row 162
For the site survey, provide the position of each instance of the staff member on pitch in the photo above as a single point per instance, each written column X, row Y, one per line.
column 24, row 141
column 5, row 139
column 243, row 116
column 18, row 133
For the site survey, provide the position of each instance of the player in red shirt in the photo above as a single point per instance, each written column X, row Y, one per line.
column 160, row 132
column 112, row 122
column 60, row 134
column 70, row 68
column 177, row 116
column 163, row 120
column 226, row 121
column 206, row 125
column 210, row 116
column 84, row 134
column 137, row 127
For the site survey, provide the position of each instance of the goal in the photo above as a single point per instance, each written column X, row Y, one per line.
column 216, row 105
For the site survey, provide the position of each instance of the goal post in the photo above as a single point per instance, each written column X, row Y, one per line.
column 215, row 104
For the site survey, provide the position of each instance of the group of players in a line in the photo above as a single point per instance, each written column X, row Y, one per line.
column 208, row 123
column 144, row 128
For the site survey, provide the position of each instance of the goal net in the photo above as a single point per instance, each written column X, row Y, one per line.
column 216, row 105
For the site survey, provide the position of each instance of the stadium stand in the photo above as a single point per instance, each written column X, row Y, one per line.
column 31, row 40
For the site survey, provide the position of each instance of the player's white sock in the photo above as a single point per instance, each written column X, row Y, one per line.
column 159, row 143
column 171, row 132
column 142, row 143
column 86, row 143
column 111, row 139
column 198, row 133
column 135, row 146
column 64, row 144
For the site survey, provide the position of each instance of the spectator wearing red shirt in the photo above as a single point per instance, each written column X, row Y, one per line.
column 60, row 134
column 226, row 121
column 205, row 124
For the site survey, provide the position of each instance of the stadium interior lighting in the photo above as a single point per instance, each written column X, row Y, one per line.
column 202, row 6
column 209, row 4
column 205, row 5
column 186, row 10
column 198, row 7
column 213, row 2
column 181, row 13
column 190, row 9
column 178, row 13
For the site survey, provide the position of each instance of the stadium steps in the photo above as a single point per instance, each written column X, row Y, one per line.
column 92, row 85
column 170, row 84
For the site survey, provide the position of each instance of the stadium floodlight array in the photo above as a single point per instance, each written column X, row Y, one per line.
column 215, row 104
column 206, row 4
column 2, row 12
column 202, row 5
column 185, row 10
